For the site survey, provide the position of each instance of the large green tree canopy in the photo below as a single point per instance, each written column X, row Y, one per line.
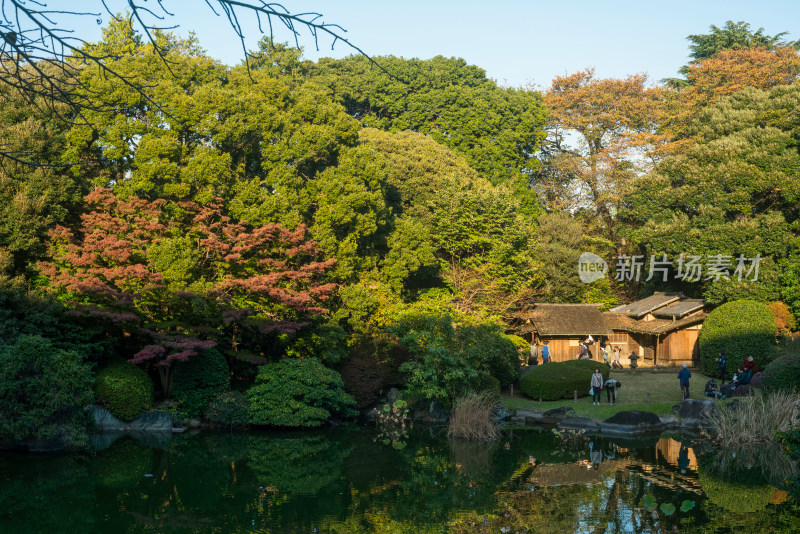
column 497, row 130
column 735, row 191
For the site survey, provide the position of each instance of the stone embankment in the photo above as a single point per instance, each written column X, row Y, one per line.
column 689, row 414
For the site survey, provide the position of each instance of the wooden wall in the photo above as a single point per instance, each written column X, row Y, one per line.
column 679, row 347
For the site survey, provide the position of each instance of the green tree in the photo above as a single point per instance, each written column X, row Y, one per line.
column 732, row 36
column 497, row 130
column 732, row 193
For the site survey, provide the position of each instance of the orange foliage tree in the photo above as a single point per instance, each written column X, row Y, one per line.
column 730, row 71
column 602, row 133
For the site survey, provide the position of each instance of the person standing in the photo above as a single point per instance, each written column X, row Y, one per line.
column 684, row 375
column 723, row 364
column 615, row 362
column 545, row 353
column 597, row 386
column 583, row 351
column 534, row 357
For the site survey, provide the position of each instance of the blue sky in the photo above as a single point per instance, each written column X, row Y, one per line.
column 516, row 42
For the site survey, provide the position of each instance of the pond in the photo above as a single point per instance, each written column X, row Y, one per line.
column 348, row 480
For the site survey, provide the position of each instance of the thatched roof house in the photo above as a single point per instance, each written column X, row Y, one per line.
column 563, row 327
column 661, row 329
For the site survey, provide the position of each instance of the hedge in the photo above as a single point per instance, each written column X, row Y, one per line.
column 555, row 381
column 739, row 329
column 124, row 390
column 782, row 374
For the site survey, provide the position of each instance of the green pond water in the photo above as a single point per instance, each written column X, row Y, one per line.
column 348, row 480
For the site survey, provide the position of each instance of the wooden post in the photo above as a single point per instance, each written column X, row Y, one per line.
column 575, row 393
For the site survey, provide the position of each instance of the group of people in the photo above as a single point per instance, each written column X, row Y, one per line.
column 742, row 377
column 534, row 358
column 584, row 353
column 597, row 384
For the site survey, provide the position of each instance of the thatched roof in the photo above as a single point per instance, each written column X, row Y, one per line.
column 570, row 320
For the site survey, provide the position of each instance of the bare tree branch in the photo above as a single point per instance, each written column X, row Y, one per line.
column 42, row 58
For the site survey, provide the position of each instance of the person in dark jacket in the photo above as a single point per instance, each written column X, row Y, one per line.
column 723, row 364
column 712, row 390
column 684, row 375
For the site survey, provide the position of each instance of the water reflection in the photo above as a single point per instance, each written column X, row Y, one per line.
column 343, row 481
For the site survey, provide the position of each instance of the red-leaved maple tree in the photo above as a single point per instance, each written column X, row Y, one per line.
column 178, row 274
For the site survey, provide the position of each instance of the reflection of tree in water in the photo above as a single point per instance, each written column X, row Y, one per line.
column 742, row 487
column 46, row 495
column 300, row 478
column 124, row 463
column 190, row 487
column 300, row 465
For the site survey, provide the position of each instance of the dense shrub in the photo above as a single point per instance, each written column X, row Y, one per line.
column 124, row 390
column 490, row 350
column 196, row 382
column 228, row 408
column 782, row 374
column 296, row 393
column 37, row 315
column 486, row 383
column 446, row 358
column 739, row 329
column 44, row 392
column 559, row 380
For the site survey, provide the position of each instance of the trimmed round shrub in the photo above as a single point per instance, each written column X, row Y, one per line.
column 555, row 381
column 124, row 390
column 228, row 408
column 782, row 374
column 297, row 393
column 739, row 329
column 197, row 381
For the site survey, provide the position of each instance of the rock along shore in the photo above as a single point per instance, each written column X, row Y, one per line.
column 688, row 414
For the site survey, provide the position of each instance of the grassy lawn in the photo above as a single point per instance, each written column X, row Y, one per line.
column 662, row 385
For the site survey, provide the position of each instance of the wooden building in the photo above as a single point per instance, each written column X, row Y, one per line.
column 661, row 329
column 563, row 327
